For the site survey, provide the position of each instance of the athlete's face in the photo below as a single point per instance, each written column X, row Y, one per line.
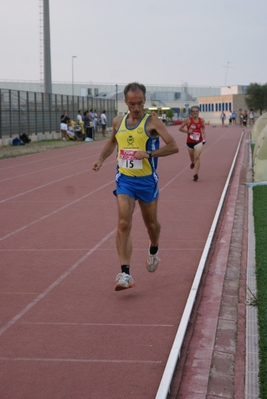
column 194, row 112
column 135, row 101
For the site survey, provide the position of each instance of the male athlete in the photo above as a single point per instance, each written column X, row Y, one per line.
column 136, row 137
column 194, row 127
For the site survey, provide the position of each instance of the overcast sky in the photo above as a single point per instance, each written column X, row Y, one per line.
column 205, row 42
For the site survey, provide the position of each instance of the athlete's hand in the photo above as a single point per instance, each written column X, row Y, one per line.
column 96, row 165
column 141, row 155
column 204, row 142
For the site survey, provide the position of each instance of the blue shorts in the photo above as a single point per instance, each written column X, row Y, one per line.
column 144, row 188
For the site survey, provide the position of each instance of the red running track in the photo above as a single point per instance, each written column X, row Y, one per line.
column 64, row 331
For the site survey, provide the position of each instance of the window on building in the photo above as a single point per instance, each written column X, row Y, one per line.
column 220, row 106
column 212, row 107
column 216, row 107
column 226, row 106
column 230, row 106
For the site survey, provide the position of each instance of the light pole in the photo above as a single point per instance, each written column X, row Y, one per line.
column 74, row 56
column 117, row 113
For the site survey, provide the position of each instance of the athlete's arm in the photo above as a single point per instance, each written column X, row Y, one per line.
column 203, row 129
column 182, row 127
column 155, row 127
column 109, row 147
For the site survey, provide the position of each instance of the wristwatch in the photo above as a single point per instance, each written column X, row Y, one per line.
column 149, row 153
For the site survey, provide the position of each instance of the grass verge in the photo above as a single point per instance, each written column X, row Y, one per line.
column 34, row 147
column 260, row 225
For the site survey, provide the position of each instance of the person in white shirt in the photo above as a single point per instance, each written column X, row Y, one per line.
column 103, row 119
column 79, row 116
column 251, row 117
column 96, row 120
column 230, row 117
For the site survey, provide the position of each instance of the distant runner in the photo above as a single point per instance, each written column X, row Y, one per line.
column 194, row 127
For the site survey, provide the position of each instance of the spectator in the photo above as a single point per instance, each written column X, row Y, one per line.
column 164, row 118
column 234, row 118
column 96, row 120
column 245, row 118
column 63, row 125
column 92, row 117
column 86, row 119
column 222, row 118
column 230, row 118
column 240, row 117
column 251, row 117
column 71, row 134
column 79, row 116
column 103, row 123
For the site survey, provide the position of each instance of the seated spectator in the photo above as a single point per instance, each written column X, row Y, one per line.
column 72, row 134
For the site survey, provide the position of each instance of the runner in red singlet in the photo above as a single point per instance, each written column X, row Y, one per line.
column 194, row 127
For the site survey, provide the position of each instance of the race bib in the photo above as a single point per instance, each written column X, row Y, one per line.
column 195, row 136
column 127, row 159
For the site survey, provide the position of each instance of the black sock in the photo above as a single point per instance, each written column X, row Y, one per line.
column 153, row 250
column 125, row 269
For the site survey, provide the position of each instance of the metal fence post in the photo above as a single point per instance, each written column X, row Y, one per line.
column 10, row 112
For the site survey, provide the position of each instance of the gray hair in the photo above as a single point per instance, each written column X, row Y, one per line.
column 134, row 87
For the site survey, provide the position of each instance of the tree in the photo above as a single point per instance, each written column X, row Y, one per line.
column 169, row 113
column 256, row 97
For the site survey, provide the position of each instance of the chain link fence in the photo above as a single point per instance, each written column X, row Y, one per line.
column 33, row 113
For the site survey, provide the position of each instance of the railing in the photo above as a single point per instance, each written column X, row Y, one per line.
column 32, row 112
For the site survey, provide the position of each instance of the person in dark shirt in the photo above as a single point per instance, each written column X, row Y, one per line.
column 86, row 119
column 64, row 125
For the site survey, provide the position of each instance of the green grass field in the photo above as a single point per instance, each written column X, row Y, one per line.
column 260, row 225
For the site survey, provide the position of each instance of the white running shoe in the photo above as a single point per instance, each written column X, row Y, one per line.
column 152, row 261
column 124, row 281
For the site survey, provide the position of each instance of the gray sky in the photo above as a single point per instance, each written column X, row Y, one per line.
column 150, row 41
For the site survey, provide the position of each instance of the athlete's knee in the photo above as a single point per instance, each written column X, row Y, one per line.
column 153, row 225
column 124, row 225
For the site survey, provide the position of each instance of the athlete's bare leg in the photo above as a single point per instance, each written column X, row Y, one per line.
column 149, row 213
column 197, row 153
column 126, row 206
column 191, row 154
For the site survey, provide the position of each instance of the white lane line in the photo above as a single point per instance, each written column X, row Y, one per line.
column 54, row 212
column 100, row 249
column 96, row 324
column 47, row 184
column 42, row 159
column 55, row 283
column 25, row 359
column 17, row 176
